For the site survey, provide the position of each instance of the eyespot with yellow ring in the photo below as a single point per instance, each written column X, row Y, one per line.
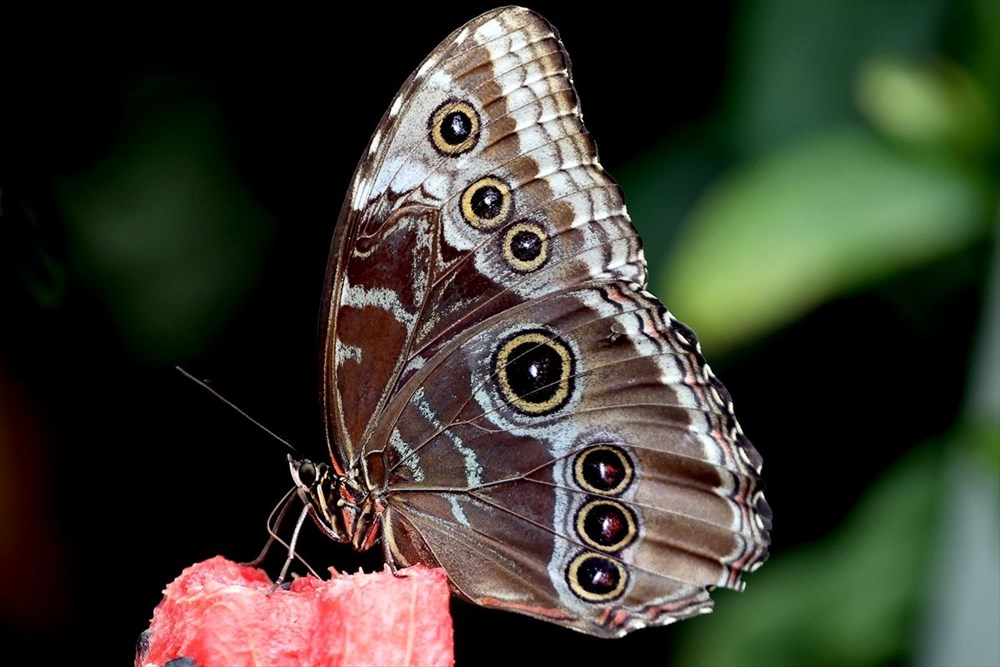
column 454, row 127
column 606, row 525
column 604, row 470
column 486, row 203
column 594, row 577
column 534, row 370
column 526, row 247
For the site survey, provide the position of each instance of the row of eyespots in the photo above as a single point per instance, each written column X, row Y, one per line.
column 534, row 370
column 487, row 203
column 604, row 524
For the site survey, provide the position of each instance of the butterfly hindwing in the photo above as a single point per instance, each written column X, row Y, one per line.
column 589, row 432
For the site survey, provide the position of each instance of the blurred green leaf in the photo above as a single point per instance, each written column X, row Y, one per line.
column 978, row 42
column 809, row 222
column 939, row 104
column 164, row 231
column 982, row 413
column 962, row 608
column 794, row 63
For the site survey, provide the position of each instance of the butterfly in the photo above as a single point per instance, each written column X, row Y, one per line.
column 502, row 396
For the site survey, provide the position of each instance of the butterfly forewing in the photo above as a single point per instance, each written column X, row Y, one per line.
column 414, row 260
column 528, row 416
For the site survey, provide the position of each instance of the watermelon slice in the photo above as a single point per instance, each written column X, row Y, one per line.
column 218, row 612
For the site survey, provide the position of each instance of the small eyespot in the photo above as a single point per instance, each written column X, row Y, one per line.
column 486, row 203
column 596, row 578
column 603, row 470
column 606, row 525
column 534, row 370
column 454, row 127
column 526, row 247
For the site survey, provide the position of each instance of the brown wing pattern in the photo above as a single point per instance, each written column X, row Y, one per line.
column 544, row 429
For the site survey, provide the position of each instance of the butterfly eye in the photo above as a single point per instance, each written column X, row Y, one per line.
column 526, row 247
column 596, row 578
column 606, row 525
column 454, row 128
column 307, row 473
column 534, row 370
column 486, row 203
column 603, row 470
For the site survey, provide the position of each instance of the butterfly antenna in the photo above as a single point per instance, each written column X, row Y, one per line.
column 204, row 385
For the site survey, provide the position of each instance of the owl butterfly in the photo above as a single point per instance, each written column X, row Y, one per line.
column 502, row 396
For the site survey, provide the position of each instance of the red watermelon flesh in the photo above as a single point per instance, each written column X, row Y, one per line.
column 218, row 612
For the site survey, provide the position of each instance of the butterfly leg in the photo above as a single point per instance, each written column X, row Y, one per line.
column 388, row 560
column 273, row 523
column 291, row 548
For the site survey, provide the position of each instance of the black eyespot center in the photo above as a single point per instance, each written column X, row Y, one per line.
column 533, row 371
column 456, row 128
column 597, row 575
column 487, row 202
column 526, row 245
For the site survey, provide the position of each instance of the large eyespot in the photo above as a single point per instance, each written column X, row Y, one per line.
column 606, row 525
column 486, row 203
column 526, row 247
column 596, row 578
column 535, row 372
column 454, row 127
column 603, row 470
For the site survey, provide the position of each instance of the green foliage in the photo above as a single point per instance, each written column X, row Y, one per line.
column 154, row 230
column 860, row 143
column 811, row 221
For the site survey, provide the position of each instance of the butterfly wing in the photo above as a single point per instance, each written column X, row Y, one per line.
column 407, row 263
column 534, row 421
column 593, row 476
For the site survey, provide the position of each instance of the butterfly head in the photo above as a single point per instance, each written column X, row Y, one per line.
column 337, row 503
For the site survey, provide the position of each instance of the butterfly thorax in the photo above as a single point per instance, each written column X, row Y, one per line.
column 340, row 505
